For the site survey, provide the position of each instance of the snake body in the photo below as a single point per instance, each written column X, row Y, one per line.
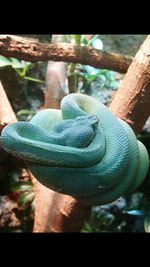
column 81, row 150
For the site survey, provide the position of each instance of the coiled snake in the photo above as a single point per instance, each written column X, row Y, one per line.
column 81, row 150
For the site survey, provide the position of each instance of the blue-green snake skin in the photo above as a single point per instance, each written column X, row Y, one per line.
column 81, row 150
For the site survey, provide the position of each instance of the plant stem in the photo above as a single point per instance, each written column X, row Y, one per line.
column 77, row 38
column 33, row 79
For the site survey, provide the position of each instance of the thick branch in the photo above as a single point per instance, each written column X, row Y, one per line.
column 33, row 51
column 132, row 101
column 7, row 114
column 56, row 212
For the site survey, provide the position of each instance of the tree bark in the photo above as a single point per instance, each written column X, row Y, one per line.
column 7, row 114
column 55, row 80
column 132, row 101
column 55, row 84
column 56, row 213
column 32, row 50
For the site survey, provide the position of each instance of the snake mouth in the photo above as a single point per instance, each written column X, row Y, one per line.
column 94, row 121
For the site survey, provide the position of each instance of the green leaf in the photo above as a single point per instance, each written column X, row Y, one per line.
column 104, row 72
column 21, row 67
column 77, row 38
column 87, row 228
column 25, row 112
column 21, row 186
column 135, row 212
column 25, row 197
column 5, row 61
column 68, row 38
column 147, row 223
column 93, row 38
column 84, row 41
column 33, row 79
column 19, row 64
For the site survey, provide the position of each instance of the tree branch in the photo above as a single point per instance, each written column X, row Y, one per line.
column 32, row 50
column 7, row 114
column 132, row 100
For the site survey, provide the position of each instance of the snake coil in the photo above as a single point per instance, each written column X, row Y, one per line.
column 81, row 150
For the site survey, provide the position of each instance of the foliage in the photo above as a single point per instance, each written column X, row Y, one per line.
column 25, row 192
column 25, row 114
column 76, row 72
column 20, row 66
column 132, row 216
column 102, row 221
column 83, row 76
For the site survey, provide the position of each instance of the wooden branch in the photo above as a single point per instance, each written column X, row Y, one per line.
column 7, row 114
column 33, row 51
column 57, row 213
column 55, row 84
column 132, row 101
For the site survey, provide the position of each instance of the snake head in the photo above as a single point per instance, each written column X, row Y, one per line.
column 78, row 132
column 91, row 120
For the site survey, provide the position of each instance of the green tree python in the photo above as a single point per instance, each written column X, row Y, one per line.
column 82, row 150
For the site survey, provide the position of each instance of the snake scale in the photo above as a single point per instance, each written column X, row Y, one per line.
column 81, row 150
